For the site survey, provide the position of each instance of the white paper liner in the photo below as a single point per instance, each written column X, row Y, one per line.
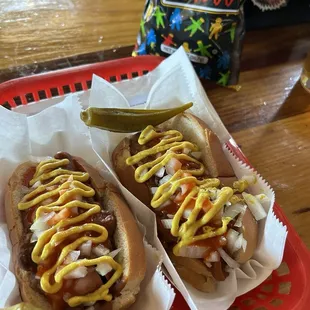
column 59, row 128
column 173, row 83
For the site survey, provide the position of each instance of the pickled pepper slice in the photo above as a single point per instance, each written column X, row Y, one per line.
column 128, row 120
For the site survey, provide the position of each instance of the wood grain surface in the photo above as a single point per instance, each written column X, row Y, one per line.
column 269, row 117
column 42, row 30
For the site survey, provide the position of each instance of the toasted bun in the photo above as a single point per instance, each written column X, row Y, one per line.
column 126, row 173
column 127, row 236
column 250, row 234
column 196, row 131
column 195, row 272
column 16, row 229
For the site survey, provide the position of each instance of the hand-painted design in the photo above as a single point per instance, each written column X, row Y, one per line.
column 151, row 38
column 232, row 31
column 186, row 47
column 203, row 49
column 211, row 39
column 205, row 72
column 142, row 28
column 195, row 26
column 223, row 61
column 168, row 40
column 224, row 78
column 216, row 28
column 176, row 19
column 141, row 50
column 159, row 15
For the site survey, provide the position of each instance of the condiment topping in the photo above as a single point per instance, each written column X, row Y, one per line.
column 67, row 229
column 199, row 199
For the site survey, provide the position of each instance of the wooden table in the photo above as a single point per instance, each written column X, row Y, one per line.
column 269, row 117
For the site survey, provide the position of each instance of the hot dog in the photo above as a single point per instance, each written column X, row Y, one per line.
column 76, row 244
column 179, row 170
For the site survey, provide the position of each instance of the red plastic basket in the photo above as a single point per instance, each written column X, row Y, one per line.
column 287, row 288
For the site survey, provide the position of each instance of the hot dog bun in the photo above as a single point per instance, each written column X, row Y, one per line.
column 127, row 236
column 195, row 131
column 249, row 230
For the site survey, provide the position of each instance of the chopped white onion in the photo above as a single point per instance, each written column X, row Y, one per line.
column 170, row 216
column 228, row 260
column 37, row 277
column 255, row 206
column 85, row 248
column 186, row 150
column 39, row 226
column 238, row 243
column 66, row 296
column 172, row 165
column 165, row 179
column 79, row 272
column 51, row 188
column 72, row 257
column 36, row 184
column 238, row 222
column 70, row 179
column 114, row 252
column 193, row 251
column 160, row 173
column 100, row 250
column 213, row 257
column 262, row 198
column 250, row 178
column 187, row 213
column 34, row 238
column 167, row 223
column 196, row 155
column 213, row 193
column 103, row 269
column 90, row 303
column 222, row 241
column 153, row 190
column 231, row 237
column 46, row 216
column 184, row 188
column 244, row 244
column 143, row 172
column 47, row 201
column 233, row 210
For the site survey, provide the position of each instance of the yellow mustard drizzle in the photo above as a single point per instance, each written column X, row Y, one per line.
column 201, row 192
column 235, row 199
column 171, row 143
column 55, row 235
column 240, row 185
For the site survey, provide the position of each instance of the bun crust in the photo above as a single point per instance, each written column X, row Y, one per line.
column 250, row 234
column 127, row 236
column 16, row 230
column 196, row 131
